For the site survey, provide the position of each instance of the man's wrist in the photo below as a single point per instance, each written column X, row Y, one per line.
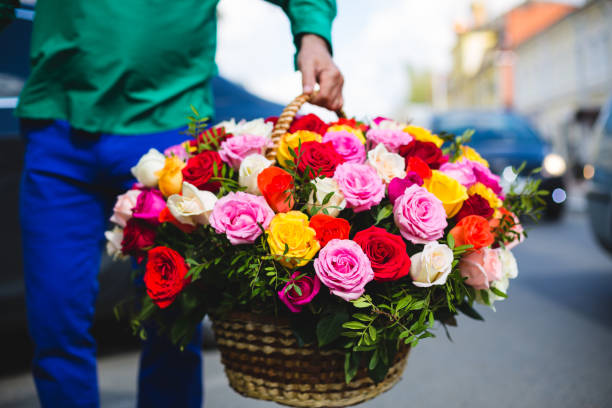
column 315, row 40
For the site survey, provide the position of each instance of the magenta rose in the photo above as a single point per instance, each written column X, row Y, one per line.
column 460, row 171
column 347, row 145
column 149, row 204
column 178, row 151
column 393, row 139
column 309, row 287
column 122, row 211
column 481, row 267
column 361, row 185
column 240, row 215
column 344, row 268
column 234, row 150
column 419, row 215
column 397, row 186
column 485, row 176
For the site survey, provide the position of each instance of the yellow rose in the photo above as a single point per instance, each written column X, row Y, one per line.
column 292, row 141
column 471, row 154
column 356, row 132
column 448, row 190
column 171, row 177
column 487, row 194
column 292, row 229
column 424, row 135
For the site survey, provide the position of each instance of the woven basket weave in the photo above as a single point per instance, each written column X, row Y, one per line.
column 262, row 360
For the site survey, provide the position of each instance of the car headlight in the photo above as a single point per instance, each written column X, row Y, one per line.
column 554, row 164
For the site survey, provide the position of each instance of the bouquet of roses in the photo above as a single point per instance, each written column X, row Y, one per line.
column 362, row 234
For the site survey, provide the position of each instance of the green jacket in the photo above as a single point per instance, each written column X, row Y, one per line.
column 134, row 66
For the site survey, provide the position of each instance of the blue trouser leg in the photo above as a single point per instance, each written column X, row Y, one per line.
column 66, row 191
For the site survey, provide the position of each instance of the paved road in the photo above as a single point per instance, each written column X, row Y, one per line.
column 549, row 345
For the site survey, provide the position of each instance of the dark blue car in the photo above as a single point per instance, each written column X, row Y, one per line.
column 506, row 140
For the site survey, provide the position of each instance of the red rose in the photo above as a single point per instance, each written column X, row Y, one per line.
column 212, row 136
column 386, row 251
column 475, row 205
column 417, row 165
column 137, row 235
column 328, row 228
column 199, row 170
column 272, row 120
column 165, row 275
column 276, row 186
column 309, row 122
column 427, row 151
column 321, row 157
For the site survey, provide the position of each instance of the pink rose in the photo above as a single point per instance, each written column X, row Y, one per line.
column 178, row 151
column 309, row 287
column 240, row 215
column 122, row 211
column 419, row 215
column 235, row 149
column 486, row 177
column 344, row 268
column 397, row 186
column 391, row 138
column 347, row 145
column 460, row 171
column 361, row 185
column 481, row 267
column 149, row 204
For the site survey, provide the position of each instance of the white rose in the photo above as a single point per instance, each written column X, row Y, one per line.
column 432, row 266
column 388, row 165
column 193, row 206
column 325, row 186
column 250, row 168
column 509, row 266
column 387, row 124
column 113, row 244
column 257, row 127
column 147, row 166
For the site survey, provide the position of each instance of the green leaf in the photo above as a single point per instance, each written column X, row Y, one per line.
column 469, row 311
column 403, row 302
column 372, row 332
column 450, row 240
column 330, row 328
column 360, row 303
column 383, row 213
column 373, row 360
column 354, row 325
column 351, row 364
column 327, row 197
column 363, row 317
column 498, row 292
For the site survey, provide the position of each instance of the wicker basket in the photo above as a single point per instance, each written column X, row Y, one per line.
column 263, row 360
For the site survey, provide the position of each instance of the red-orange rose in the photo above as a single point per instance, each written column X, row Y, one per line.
column 276, row 186
column 164, row 275
column 473, row 230
column 417, row 165
column 328, row 228
column 386, row 252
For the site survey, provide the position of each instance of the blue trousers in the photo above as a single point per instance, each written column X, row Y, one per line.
column 70, row 180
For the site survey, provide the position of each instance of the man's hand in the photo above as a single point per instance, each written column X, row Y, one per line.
column 317, row 67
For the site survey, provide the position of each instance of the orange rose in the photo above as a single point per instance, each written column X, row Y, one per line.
column 171, row 177
column 276, row 186
column 473, row 230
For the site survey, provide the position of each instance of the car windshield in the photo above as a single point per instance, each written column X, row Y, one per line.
column 486, row 126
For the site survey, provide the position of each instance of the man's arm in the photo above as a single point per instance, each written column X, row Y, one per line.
column 311, row 22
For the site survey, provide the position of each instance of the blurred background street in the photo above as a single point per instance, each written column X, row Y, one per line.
column 534, row 78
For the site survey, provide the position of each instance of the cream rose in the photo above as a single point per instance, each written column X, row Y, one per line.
column 508, row 262
column 388, row 165
column 432, row 266
column 250, row 168
column 257, row 127
column 114, row 238
column 193, row 207
column 325, row 186
column 147, row 166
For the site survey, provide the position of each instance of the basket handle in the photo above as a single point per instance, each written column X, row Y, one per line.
column 284, row 122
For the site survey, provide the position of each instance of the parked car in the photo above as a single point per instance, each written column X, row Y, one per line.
column 231, row 101
column 599, row 195
column 506, row 140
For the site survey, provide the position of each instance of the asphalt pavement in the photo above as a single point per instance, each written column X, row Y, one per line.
column 548, row 345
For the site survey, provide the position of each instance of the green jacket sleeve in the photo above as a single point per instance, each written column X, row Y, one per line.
column 309, row 17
